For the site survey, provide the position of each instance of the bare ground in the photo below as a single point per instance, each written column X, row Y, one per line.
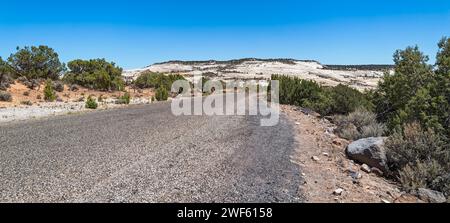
column 18, row 90
column 331, row 170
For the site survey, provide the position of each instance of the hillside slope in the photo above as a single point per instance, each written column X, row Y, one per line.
column 359, row 77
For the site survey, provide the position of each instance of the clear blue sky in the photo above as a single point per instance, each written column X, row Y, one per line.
column 138, row 33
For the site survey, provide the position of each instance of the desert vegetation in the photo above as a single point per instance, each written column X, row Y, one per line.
column 325, row 100
column 359, row 124
column 411, row 106
column 35, row 65
column 124, row 99
column 5, row 96
column 237, row 61
column 380, row 67
column 49, row 93
column 156, row 80
column 36, row 62
column 39, row 69
column 95, row 74
column 161, row 94
column 91, row 103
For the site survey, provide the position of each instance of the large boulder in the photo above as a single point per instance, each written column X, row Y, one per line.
column 369, row 151
column 431, row 196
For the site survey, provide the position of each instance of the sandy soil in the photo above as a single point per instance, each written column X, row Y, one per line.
column 325, row 167
column 18, row 90
column 68, row 102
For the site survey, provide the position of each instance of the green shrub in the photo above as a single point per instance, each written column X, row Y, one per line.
column 348, row 131
column 31, row 84
column 358, row 124
column 49, row 93
column 91, row 103
column 419, row 158
column 58, row 86
column 374, row 129
column 324, row 100
column 73, row 87
column 5, row 96
column 156, row 80
column 100, row 98
column 414, row 177
column 161, row 94
column 29, row 103
column 95, row 74
column 125, row 99
column 346, row 99
column 5, row 75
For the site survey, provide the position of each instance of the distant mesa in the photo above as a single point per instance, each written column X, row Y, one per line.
column 358, row 76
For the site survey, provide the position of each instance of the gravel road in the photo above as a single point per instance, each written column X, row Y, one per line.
column 145, row 154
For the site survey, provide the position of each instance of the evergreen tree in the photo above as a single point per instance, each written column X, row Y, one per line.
column 36, row 62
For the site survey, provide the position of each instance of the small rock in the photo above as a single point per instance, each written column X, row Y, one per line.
column 431, row 196
column 365, row 168
column 407, row 198
column 337, row 142
column 315, row 158
column 297, row 123
column 355, row 175
column 376, row 171
column 329, row 130
column 385, row 201
column 338, row 191
column 356, row 181
column 325, row 154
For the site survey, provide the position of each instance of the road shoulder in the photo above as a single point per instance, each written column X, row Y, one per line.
column 329, row 176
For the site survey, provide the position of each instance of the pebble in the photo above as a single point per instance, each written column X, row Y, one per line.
column 338, row 191
column 365, row 168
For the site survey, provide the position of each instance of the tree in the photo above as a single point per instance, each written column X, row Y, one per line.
column 96, row 74
column 5, row 75
column 36, row 62
column 156, row 80
column 347, row 99
column 442, row 88
column 4, row 68
column 395, row 91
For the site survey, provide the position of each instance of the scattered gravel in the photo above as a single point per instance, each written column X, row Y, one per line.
column 55, row 108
